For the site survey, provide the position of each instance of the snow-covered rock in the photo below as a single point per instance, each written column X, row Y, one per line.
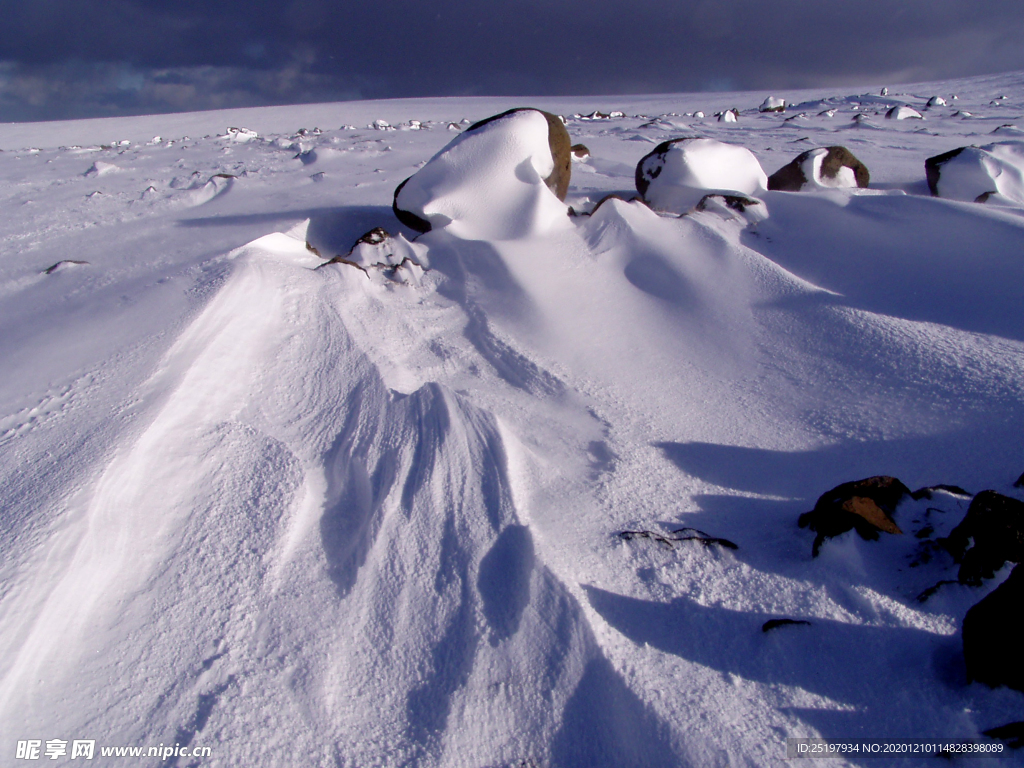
column 678, row 173
column 503, row 177
column 772, row 104
column 936, row 101
column 904, row 113
column 99, row 168
column 822, row 167
column 728, row 116
column 241, row 135
column 977, row 173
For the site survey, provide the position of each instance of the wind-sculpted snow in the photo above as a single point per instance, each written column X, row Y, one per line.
column 285, row 478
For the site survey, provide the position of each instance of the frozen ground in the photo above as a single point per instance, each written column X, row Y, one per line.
column 330, row 517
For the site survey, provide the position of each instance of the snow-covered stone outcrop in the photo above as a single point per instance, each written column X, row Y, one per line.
column 772, row 104
column 978, row 174
column 822, row 167
column 678, row 173
column 503, row 177
column 904, row 113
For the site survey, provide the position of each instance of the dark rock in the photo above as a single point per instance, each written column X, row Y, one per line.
column 771, row 624
column 737, row 203
column 580, row 151
column 791, row 178
column 933, row 168
column 680, row 534
column 1020, row 482
column 60, row 265
column 1011, row 733
column 926, row 493
column 557, row 181
column 864, row 505
column 411, row 220
column 993, row 634
column 995, row 525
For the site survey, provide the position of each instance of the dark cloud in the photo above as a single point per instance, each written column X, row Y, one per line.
column 65, row 58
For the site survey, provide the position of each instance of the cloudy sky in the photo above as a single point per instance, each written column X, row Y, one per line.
column 87, row 58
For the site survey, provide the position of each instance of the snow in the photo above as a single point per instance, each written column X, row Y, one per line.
column 989, row 170
column 313, row 501
column 678, row 174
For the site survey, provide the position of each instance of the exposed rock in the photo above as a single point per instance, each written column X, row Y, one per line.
column 1020, row 481
column 993, row 635
column 378, row 250
column 995, row 525
column 866, row 506
column 680, row 534
column 580, row 151
column 472, row 174
column 821, row 167
column 734, row 207
column 1011, row 733
column 771, row 624
column 65, row 264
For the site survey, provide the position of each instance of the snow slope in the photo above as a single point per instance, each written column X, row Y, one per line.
column 310, row 514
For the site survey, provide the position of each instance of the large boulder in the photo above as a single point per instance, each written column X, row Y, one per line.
column 993, row 635
column 500, row 178
column 976, row 174
column 678, row 173
column 991, row 533
column 822, row 167
column 866, row 506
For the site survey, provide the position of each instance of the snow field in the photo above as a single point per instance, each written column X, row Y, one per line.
column 336, row 516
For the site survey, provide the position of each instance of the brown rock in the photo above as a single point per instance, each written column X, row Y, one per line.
column 866, row 506
column 790, row 178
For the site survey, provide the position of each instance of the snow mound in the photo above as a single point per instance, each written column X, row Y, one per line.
column 975, row 174
column 502, row 178
column 678, row 173
column 218, row 185
column 904, row 113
